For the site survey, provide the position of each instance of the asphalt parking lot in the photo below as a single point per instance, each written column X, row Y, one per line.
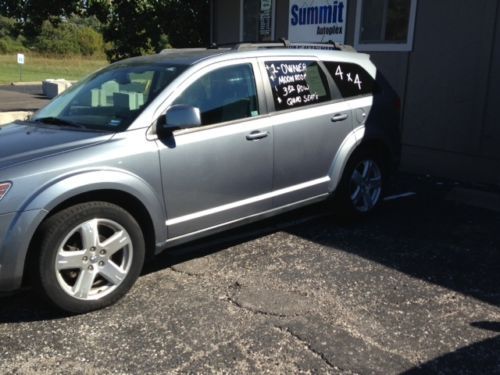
column 22, row 97
column 414, row 289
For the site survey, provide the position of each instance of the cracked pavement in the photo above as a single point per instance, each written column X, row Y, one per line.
column 413, row 289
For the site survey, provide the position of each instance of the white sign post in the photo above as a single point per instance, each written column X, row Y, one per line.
column 317, row 21
column 20, row 61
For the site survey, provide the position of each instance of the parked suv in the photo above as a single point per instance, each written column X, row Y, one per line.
column 154, row 151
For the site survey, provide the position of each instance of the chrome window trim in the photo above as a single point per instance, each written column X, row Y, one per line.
column 174, row 241
column 258, row 198
column 196, row 72
column 147, row 118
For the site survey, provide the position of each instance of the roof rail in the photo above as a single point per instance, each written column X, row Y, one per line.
column 283, row 43
column 175, row 50
column 324, row 46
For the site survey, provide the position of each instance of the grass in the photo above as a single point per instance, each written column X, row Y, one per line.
column 38, row 68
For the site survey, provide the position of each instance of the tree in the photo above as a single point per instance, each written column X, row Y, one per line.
column 143, row 26
column 7, row 27
column 101, row 9
column 131, row 28
column 32, row 13
column 11, row 8
column 69, row 38
column 10, row 40
column 186, row 22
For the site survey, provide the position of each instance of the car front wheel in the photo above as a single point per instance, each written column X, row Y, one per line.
column 90, row 256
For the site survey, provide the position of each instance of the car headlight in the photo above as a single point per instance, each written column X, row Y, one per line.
column 4, row 188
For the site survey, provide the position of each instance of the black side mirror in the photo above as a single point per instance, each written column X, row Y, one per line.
column 179, row 116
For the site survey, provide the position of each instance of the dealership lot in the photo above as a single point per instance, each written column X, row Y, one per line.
column 28, row 97
column 414, row 288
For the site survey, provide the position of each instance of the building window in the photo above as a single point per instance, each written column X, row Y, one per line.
column 385, row 25
column 257, row 20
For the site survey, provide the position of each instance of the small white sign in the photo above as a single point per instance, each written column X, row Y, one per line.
column 20, row 58
column 265, row 5
column 317, row 20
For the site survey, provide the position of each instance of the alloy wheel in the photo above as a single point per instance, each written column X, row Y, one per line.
column 93, row 259
column 365, row 186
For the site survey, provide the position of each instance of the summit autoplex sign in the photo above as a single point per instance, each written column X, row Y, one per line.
column 317, row 21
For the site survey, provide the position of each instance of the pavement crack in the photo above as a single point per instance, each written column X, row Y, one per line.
column 254, row 310
column 266, row 301
column 184, row 272
column 315, row 353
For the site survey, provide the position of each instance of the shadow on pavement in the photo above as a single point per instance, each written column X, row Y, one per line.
column 426, row 236
column 26, row 306
column 478, row 358
column 442, row 242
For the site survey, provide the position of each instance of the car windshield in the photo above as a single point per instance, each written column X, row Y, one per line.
column 111, row 99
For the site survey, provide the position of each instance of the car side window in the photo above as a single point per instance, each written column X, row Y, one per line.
column 351, row 79
column 297, row 83
column 224, row 94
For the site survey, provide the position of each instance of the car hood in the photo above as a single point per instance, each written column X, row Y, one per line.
column 24, row 142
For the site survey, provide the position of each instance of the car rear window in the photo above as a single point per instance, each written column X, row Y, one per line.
column 351, row 79
column 297, row 83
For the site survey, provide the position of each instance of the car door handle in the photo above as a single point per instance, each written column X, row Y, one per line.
column 257, row 134
column 339, row 117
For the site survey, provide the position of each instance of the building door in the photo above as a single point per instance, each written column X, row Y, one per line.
column 257, row 20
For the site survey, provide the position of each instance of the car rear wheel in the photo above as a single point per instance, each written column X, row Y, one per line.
column 365, row 185
column 361, row 188
column 90, row 256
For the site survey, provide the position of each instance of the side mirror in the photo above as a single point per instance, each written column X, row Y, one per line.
column 179, row 116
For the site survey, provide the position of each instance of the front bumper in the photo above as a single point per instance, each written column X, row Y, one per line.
column 16, row 232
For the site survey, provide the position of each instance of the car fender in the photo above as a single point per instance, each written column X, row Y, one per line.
column 346, row 149
column 69, row 186
column 55, row 192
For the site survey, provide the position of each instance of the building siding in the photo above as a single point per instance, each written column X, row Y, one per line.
column 226, row 21
column 449, row 82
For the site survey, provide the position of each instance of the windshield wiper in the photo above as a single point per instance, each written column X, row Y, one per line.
column 59, row 121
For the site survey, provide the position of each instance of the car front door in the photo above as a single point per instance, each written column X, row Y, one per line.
column 310, row 122
column 220, row 172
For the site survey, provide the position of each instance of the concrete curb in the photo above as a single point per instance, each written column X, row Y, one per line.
column 35, row 83
column 26, row 83
column 7, row 117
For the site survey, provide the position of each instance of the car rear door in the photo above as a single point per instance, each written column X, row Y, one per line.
column 355, row 85
column 310, row 122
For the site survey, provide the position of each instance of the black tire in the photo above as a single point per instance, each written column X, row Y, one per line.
column 347, row 204
column 88, row 276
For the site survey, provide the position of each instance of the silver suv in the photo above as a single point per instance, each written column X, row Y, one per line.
column 155, row 151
